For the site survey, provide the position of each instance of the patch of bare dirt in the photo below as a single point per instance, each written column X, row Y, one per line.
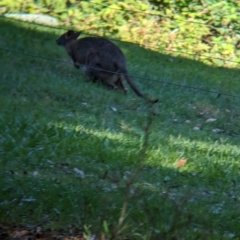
column 8, row 232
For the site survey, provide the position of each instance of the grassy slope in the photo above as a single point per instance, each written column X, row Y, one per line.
column 54, row 120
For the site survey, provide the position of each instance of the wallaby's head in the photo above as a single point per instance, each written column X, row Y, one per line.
column 67, row 37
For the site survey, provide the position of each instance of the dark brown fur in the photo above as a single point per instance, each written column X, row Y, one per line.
column 100, row 59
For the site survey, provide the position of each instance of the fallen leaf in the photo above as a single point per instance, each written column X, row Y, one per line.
column 28, row 199
column 211, row 120
column 79, row 172
column 114, row 109
column 166, row 179
column 217, row 130
column 50, row 162
column 181, row 163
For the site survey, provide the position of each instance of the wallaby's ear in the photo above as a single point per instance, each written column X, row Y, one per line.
column 69, row 33
column 72, row 34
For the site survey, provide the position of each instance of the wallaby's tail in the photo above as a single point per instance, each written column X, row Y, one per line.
column 136, row 90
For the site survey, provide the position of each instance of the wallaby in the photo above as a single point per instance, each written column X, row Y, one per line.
column 100, row 59
column 88, row 58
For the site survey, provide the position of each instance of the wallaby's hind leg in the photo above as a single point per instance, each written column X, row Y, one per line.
column 114, row 81
column 110, row 80
column 97, row 63
column 120, row 83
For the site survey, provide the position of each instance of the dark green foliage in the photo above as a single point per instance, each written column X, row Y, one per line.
column 202, row 30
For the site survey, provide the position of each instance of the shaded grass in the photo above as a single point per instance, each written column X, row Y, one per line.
column 53, row 120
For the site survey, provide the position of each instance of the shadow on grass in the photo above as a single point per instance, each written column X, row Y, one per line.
column 54, row 121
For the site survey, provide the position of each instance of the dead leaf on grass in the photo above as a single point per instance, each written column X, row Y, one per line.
column 211, row 120
column 197, row 127
column 181, row 163
column 79, row 172
column 217, row 130
column 114, row 109
column 28, row 199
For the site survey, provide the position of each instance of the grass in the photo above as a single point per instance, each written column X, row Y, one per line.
column 73, row 153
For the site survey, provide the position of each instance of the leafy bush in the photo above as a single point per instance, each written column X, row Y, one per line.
column 196, row 29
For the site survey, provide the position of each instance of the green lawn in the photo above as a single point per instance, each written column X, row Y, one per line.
column 74, row 153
